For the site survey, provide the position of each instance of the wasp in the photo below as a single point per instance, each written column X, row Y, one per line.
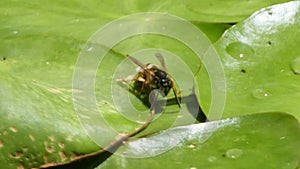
column 151, row 77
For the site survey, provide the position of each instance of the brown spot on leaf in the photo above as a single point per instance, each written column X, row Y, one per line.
column 73, row 156
column 62, row 155
column 49, row 148
column 1, row 143
column 13, row 129
column 52, row 138
column 61, row 145
column 31, row 137
column 21, row 166
column 16, row 155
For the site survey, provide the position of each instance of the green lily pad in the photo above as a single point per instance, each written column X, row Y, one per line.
column 269, row 140
column 28, row 135
column 38, row 124
column 261, row 61
column 40, row 42
column 203, row 10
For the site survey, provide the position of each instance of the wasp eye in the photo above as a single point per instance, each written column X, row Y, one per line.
column 164, row 80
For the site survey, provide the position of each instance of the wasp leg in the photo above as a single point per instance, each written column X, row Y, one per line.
column 125, row 80
column 139, row 85
column 177, row 99
column 175, row 93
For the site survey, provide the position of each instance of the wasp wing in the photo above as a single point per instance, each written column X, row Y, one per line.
column 162, row 61
column 140, row 64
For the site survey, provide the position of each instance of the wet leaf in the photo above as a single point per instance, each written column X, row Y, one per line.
column 203, row 11
column 40, row 42
column 272, row 140
column 260, row 57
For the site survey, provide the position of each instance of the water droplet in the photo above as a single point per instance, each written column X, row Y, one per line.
column 15, row 32
column 89, row 49
column 295, row 66
column 282, row 138
column 239, row 50
column 163, row 28
column 260, row 93
column 212, row 158
column 234, row 153
column 148, row 19
column 180, row 116
column 191, row 146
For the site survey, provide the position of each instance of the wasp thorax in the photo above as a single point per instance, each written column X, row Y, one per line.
column 151, row 77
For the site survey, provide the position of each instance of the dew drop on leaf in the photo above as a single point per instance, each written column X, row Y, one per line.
column 191, row 146
column 282, row 138
column 260, row 94
column 212, row 158
column 234, row 153
column 239, row 50
column 295, row 66
column 89, row 49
